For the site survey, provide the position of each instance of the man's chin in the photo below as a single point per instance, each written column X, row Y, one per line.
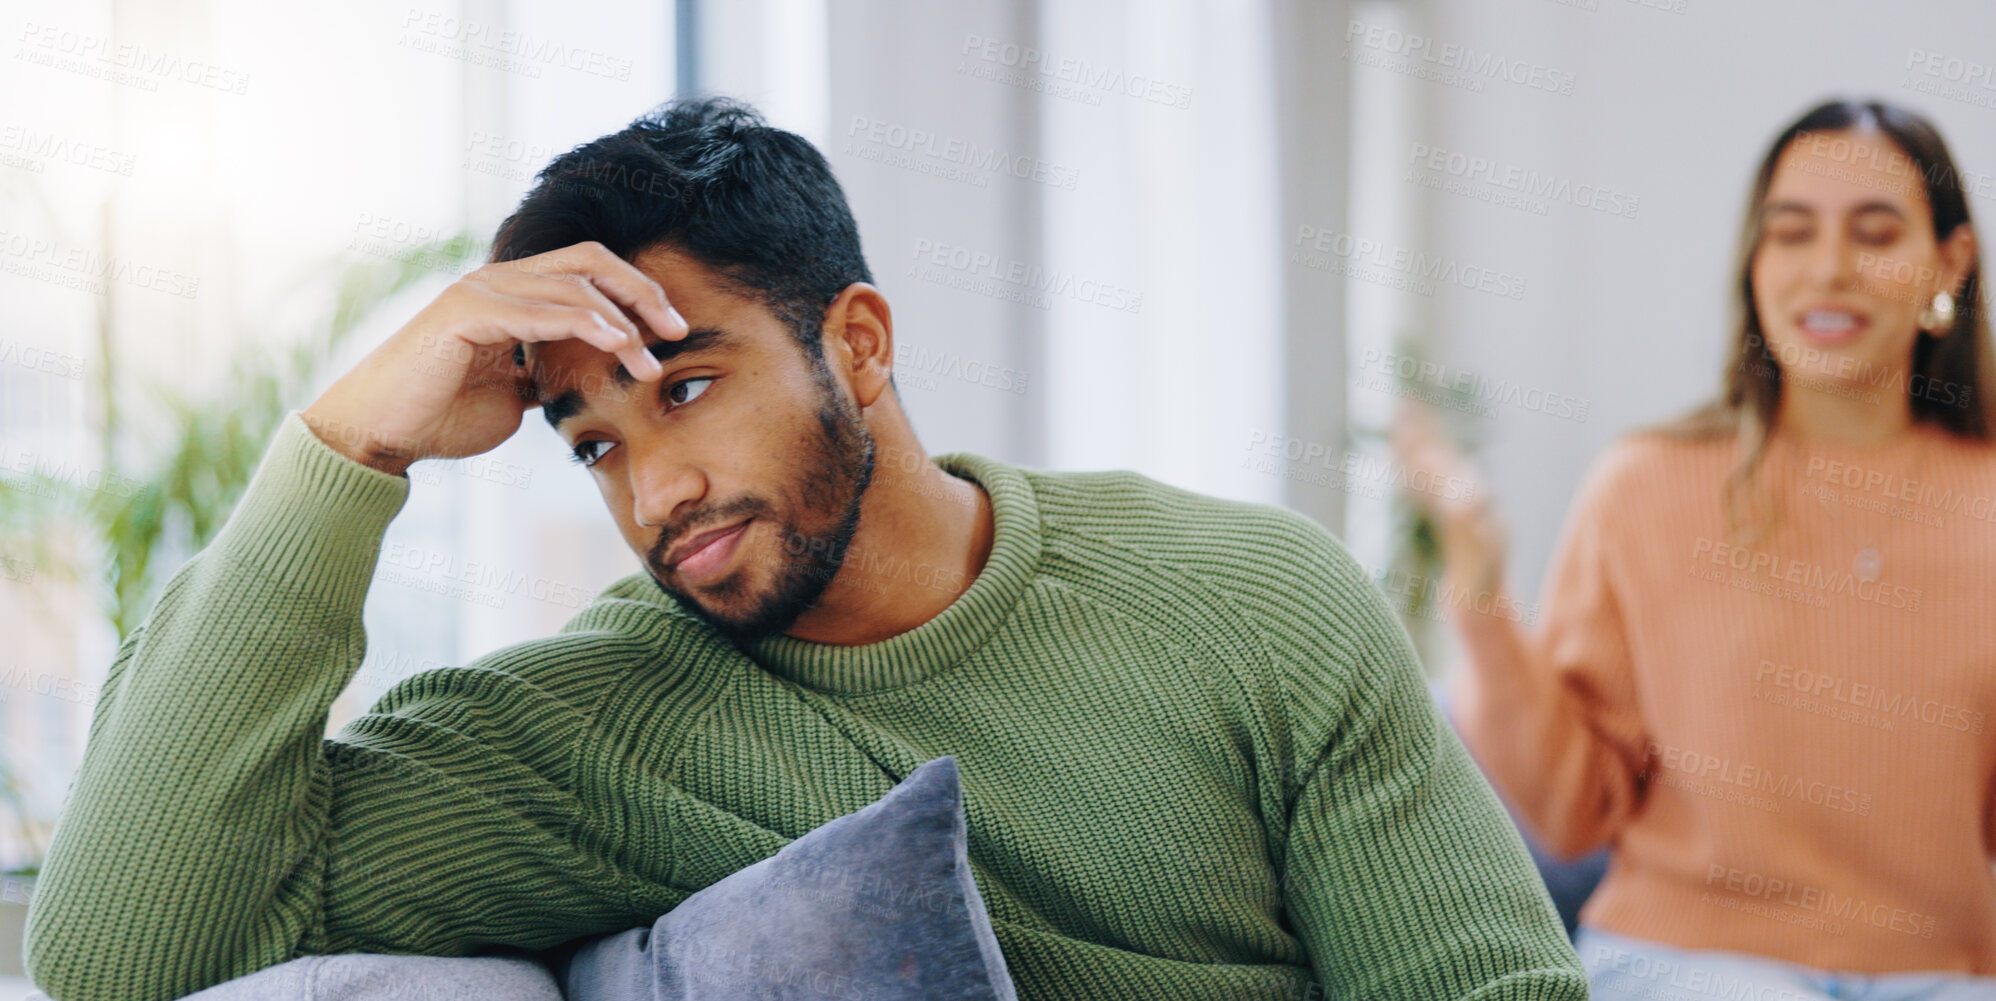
column 731, row 612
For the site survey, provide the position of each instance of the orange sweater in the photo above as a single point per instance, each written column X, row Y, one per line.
column 1787, row 741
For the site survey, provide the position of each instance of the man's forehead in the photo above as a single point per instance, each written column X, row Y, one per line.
column 667, row 263
column 563, row 390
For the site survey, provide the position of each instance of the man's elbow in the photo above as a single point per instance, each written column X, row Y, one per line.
column 50, row 959
column 73, row 955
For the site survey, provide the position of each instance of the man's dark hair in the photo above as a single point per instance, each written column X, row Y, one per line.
column 710, row 178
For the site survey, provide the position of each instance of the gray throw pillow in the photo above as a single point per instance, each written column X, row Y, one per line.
column 878, row 904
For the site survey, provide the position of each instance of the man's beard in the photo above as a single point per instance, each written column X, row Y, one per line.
column 834, row 470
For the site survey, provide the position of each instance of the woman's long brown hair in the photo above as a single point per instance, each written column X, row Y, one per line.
column 1960, row 359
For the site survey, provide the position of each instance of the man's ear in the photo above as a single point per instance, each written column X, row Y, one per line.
column 859, row 335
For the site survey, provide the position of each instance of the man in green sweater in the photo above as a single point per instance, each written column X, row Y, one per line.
column 1198, row 760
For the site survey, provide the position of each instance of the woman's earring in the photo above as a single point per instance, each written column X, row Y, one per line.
column 1938, row 318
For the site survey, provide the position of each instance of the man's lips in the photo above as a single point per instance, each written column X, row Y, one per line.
column 705, row 555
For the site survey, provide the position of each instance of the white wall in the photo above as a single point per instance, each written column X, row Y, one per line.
column 1127, row 278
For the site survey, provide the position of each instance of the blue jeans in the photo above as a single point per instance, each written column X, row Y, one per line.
column 1629, row 969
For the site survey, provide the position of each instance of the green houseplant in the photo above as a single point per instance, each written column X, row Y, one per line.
column 173, row 500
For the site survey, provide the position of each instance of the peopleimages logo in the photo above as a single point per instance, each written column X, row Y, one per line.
column 1970, row 81
column 1925, row 497
column 54, row 686
column 1355, row 467
column 1437, row 594
column 1078, row 72
column 87, row 270
column 1820, row 900
column 50, row 146
column 974, row 161
column 1953, row 69
column 40, row 472
column 1725, row 771
column 40, row 359
column 1803, row 574
column 1879, row 700
column 1395, row 369
column 1459, row 58
column 1018, row 280
column 1524, row 181
column 926, row 368
column 488, row 578
column 1314, row 247
column 121, row 62
column 500, row 47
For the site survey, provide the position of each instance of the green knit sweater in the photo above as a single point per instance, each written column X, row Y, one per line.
column 1198, row 763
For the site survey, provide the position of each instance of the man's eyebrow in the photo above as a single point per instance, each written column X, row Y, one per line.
column 562, row 407
column 570, row 403
column 700, row 339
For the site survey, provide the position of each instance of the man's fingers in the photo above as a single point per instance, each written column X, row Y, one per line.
column 511, row 312
column 566, row 288
column 577, row 290
column 620, row 280
column 541, row 320
column 623, row 282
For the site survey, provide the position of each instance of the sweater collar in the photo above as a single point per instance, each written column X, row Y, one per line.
column 957, row 631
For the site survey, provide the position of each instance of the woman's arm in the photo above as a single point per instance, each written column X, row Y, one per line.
column 1550, row 716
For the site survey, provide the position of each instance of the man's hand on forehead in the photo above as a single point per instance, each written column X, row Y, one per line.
column 430, row 390
column 638, row 303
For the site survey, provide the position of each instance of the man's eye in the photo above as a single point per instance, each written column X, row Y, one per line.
column 686, row 390
column 583, row 454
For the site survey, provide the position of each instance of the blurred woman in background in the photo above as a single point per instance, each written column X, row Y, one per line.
column 1767, row 661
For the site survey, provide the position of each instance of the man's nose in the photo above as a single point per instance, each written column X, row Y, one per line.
column 663, row 482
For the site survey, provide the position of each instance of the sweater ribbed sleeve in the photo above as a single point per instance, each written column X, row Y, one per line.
column 1389, row 812
column 211, row 815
